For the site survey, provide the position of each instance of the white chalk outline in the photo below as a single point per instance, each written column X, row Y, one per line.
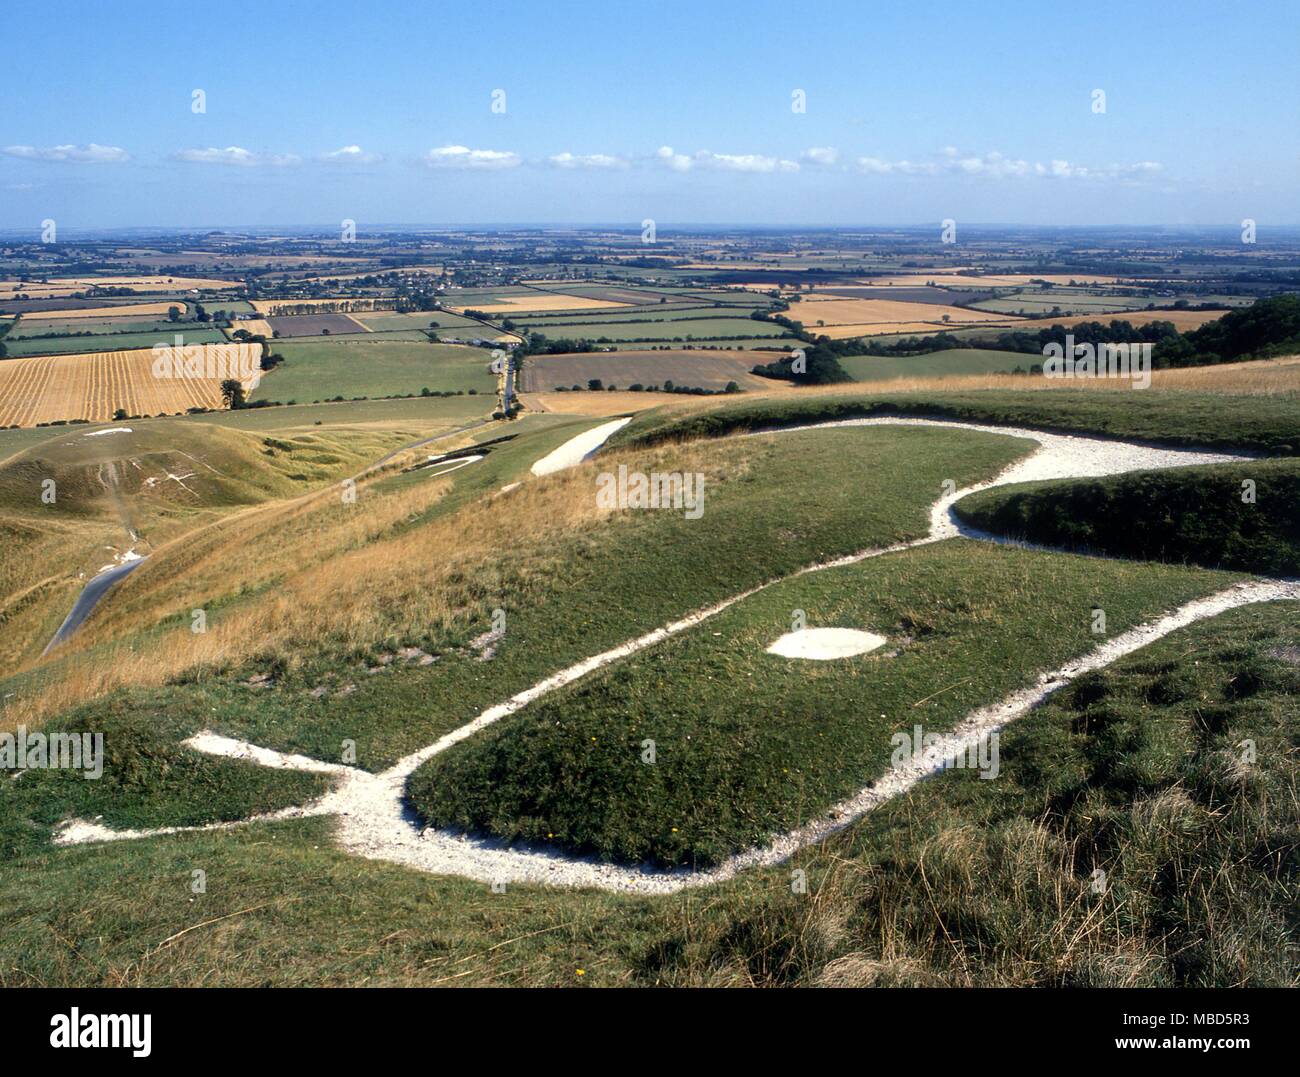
column 376, row 822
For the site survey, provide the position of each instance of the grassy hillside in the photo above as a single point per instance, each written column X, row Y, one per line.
column 1266, row 424
column 1135, row 771
column 422, row 565
column 134, row 491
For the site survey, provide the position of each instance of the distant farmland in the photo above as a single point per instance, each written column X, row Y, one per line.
column 662, row 330
column 24, row 346
column 314, row 325
column 94, row 386
column 535, row 301
column 321, row 369
column 66, row 286
column 692, row 369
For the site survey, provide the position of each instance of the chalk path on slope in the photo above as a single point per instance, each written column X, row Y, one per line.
column 375, row 821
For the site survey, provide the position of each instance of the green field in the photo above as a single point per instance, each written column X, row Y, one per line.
column 110, row 342
column 101, row 327
column 935, row 364
column 319, row 370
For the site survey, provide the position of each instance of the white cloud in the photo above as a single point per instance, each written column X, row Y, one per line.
column 353, row 155
column 235, row 155
column 589, row 160
column 744, row 162
column 678, row 162
column 996, row 165
column 92, row 154
column 727, row 162
column 825, row 156
column 464, row 157
column 875, row 166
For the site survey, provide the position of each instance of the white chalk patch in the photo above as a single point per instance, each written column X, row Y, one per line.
column 114, row 430
column 453, row 465
column 824, row 644
column 576, row 450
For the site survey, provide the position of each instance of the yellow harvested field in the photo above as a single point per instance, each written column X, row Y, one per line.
column 254, row 326
column 590, row 403
column 519, row 304
column 874, row 311
column 65, row 286
column 1183, row 320
column 879, row 329
column 141, row 381
column 127, row 310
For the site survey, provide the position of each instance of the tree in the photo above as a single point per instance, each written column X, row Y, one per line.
column 595, row 385
column 119, row 415
column 173, row 314
column 232, row 394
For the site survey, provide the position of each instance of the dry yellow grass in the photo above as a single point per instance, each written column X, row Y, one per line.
column 335, row 577
column 65, row 286
column 93, row 386
column 530, row 303
column 127, row 310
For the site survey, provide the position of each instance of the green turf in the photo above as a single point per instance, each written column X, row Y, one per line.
column 1202, row 515
column 102, row 327
column 320, row 370
column 1265, row 424
column 148, row 779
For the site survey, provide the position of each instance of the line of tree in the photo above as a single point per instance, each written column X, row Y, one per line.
column 1270, row 327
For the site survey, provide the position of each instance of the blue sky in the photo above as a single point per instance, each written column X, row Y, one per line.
column 681, row 112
